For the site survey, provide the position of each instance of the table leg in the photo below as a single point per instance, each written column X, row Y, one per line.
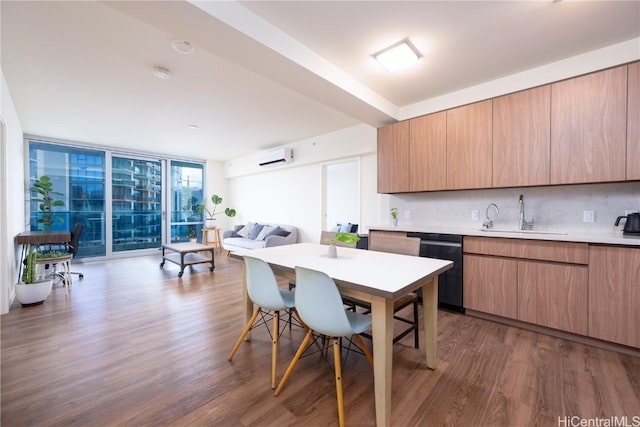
column 247, row 304
column 430, row 316
column 382, row 333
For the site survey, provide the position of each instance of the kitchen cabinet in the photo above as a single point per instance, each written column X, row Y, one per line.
column 633, row 122
column 588, row 128
column 490, row 285
column 614, row 294
column 521, row 138
column 393, row 158
column 469, row 146
column 539, row 282
column 428, row 152
column 553, row 295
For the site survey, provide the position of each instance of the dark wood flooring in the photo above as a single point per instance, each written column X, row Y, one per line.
column 132, row 345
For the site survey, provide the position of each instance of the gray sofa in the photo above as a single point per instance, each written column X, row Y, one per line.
column 241, row 238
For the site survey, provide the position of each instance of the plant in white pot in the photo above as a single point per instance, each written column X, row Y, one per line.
column 43, row 187
column 348, row 238
column 210, row 217
column 33, row 289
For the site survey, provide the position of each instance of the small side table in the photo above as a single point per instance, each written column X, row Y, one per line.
column 216, row 240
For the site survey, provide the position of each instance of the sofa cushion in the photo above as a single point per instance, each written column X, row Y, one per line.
column 256, row 231
column 278, row 231
column 264, row 232
column 246, row 230
column 241, row 242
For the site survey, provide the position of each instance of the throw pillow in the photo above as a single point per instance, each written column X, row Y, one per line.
column 278, row 231
column 345, row 228
column 256, row 231
column 246, row 230
column 265, row 231
column 336, row 228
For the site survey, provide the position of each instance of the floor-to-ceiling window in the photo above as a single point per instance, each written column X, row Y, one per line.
column 121, row 199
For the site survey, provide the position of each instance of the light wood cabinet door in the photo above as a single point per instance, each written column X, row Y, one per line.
column 469, row 151
column 614, row 294
column 588, row 128
column 633, row 122
column 490, row 285
column 393, row 158
column 553, row 295
column 428, row 152
column 521, row 138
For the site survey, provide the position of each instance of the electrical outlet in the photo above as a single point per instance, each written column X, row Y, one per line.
column 474, row 215
column 407, row 214
column 589, row 216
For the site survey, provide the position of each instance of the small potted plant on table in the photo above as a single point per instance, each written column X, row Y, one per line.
column 348, row 238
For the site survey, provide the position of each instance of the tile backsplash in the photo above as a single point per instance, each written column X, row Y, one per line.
column 553, row 208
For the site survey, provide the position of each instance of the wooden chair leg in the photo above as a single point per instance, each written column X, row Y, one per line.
column 274, row 347
column 364, row 348
column 416, row 330
column 294, row 361
column 338, row 368
column 244, row 333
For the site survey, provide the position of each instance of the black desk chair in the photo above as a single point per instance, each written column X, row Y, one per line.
column 73, row 245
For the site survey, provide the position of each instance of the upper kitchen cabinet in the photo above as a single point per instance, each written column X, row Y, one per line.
column 469, row 151
column 428, row 152
column 588, row 128
column 521, row 140
column 393, row 158
column 633, row 123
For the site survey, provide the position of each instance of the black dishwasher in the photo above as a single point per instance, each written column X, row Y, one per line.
column 448, row 247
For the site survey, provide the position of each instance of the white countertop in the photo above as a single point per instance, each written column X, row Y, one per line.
column 612, row 236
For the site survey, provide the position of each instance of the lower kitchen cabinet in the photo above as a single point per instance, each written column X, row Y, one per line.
column 490, row 285
column 614, row 294
column 553, row 295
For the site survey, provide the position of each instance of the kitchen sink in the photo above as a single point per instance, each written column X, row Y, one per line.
column 513, row 230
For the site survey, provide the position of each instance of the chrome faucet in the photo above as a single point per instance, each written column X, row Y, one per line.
column 488, row 221
column 524, row 224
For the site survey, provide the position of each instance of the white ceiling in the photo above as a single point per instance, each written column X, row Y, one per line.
column 268, row 73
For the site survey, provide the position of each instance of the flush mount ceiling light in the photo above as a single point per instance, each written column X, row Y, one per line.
column 183, row 46
column 398, row 55
column 161, row 73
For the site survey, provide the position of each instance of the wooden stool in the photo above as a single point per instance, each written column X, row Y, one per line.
column 216, row 241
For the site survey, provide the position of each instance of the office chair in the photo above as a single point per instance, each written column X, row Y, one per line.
column 74, row 245
column 319, row 305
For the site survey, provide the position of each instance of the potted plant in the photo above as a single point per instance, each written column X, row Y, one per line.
column 43, row 186
column 394, row 217
column 192, row 234
column 33, row 289
column 216, row 200
column 348, row 238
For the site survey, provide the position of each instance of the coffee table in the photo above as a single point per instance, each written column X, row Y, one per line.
column 185, row 254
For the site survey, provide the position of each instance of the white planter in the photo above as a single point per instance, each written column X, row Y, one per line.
column 210, row 223
column 33, row 293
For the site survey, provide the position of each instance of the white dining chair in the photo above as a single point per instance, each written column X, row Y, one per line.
column 319, row 305
column 269, row 299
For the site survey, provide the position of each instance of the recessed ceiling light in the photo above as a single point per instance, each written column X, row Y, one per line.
column 161, row 73
column 183, row 47
column 398, row 55
column 194, row 127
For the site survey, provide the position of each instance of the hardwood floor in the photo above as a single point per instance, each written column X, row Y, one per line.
column 132, row 345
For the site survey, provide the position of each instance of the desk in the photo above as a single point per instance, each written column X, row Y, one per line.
column 378, row 278
column 187, row 254
column 28, row 238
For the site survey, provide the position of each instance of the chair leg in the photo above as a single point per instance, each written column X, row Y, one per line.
column 244, row 333
column 294, row 361
column 416, row 328
column 364, row 348
column 274, row 347
column 338, row 368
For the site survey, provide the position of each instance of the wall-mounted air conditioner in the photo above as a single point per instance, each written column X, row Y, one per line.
column 281, row 155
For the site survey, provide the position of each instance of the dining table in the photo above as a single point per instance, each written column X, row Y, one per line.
column 378, row 278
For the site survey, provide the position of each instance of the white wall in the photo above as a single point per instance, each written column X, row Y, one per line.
column 292, row 193
column 12, row 200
